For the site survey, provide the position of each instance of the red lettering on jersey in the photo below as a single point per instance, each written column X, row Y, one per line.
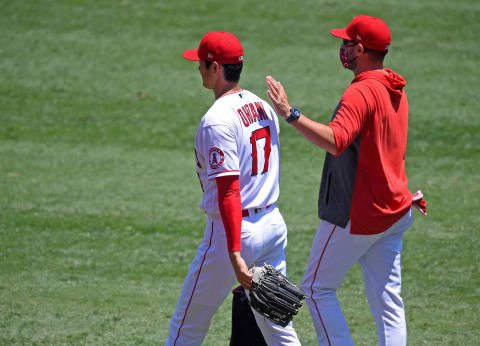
column 243, row 117
column 254, row 112
column 246, row 109
column 261, row 111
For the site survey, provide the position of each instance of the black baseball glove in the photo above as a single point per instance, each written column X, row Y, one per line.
column 274, row 296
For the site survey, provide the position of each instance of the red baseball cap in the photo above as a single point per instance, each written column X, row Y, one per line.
column 371, row 32
column 222, row 47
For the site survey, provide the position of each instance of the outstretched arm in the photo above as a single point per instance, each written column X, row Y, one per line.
column 317, row 133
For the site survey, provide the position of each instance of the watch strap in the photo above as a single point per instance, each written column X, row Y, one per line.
column 294, row 115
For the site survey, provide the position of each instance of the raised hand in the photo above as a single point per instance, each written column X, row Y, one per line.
column 279, row 98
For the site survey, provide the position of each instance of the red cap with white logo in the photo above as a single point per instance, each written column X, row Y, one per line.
column 222, row 47
column 371, row 32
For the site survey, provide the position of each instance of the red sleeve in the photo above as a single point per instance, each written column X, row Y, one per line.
column 230, row 206
column 350, row 118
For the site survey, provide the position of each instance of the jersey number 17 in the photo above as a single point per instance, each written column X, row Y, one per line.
column 257, row 135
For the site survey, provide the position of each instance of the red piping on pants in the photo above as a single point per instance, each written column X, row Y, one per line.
column 194, row 286
column 311, row 287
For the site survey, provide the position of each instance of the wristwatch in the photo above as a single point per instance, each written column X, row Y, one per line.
column 294, row 115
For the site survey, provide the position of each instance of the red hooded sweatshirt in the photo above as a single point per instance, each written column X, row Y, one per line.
column 373, row 112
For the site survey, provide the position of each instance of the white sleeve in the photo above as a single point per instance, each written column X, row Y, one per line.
column 220, row 149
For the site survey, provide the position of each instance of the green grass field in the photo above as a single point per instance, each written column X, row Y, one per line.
column 98, row 190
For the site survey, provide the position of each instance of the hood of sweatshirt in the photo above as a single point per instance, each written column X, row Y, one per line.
column 391, row 80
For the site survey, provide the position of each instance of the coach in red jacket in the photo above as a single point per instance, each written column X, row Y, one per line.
column 364, row 202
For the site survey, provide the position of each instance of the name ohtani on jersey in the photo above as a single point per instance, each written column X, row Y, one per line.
column 252, row 112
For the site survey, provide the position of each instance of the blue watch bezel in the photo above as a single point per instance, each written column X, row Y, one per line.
column 294, row 115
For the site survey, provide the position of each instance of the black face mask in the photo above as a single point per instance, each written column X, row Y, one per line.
column 344, row 59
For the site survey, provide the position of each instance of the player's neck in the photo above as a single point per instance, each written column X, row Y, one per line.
column 225, row 88
column 368, row 67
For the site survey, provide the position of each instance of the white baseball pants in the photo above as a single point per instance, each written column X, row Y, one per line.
column 334, row 251
column 211, row 277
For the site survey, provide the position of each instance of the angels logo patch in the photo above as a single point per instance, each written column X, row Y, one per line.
column 215, row 157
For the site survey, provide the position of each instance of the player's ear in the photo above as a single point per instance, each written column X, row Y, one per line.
column 215, row 67
column 360, row 48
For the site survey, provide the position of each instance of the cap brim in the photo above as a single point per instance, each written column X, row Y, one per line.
column 191, row 54
column 342, row 33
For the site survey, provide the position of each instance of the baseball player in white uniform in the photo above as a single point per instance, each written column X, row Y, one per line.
column 238, row 162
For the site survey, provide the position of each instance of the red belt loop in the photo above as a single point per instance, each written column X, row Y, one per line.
column 245, row 212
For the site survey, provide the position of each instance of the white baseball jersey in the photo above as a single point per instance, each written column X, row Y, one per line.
column 239, row 136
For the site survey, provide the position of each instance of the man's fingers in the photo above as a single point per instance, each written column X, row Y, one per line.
column 280, row 88
column 273, row 86
column 277, row 89
column 272, row 83
column 245, row 279
column 269, row 94
column 274, row 92
column 272, row 97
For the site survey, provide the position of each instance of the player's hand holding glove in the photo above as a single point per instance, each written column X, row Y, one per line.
column 274, row 296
